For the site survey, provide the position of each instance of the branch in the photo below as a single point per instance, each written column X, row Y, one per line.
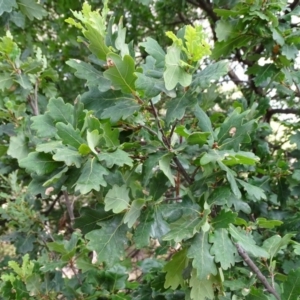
column 256, row 271
column 293, row 5
column 69, row 207
column 208, row 8
column 182, row 170
column 168, row 145
column 164, row 138
column 274, row 111
column 49, row 209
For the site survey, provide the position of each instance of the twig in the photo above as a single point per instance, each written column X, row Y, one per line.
column 69, row 207
column 165, row 139
column 36, row 104
column 33, row 100
column 256, row 270
column 167, row 143
column 274, row 111
column 173, row 199
column 172, row 130
column 49, row 209
column 182, row 170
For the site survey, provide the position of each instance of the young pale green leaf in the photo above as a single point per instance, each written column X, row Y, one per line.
column 32, row 9
column 60, row 111
column 134, row 212
column 165, row 166
column 121, row 73
column 196, row 45
column 247, row 242
column 9, row 48
column 97, row 42
column 291, row 287
column 91, row 177
column 84, row 149
column 264, row 223
column 69, row 135
column 174, row 72
column 69, row 156
column 118, row 157
column 39, row 163
column 26, row 269
column 117, row 199
column 93, row 139
column 254, row 192
column 223, row 249
column 154, row 49
column 92, row 76
column 109, row 241
column 223, row 219
column 7, row 6
column 201, row 289
column 203, row 261
column 174, row 269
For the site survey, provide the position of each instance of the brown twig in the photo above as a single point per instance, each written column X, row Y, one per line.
column 274, row 111
column 256, row 270
column 69, row 207
column 168, row 145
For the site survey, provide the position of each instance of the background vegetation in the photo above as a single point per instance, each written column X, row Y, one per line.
column 149, row 149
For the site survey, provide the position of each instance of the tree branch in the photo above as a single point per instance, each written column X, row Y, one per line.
column 208, row 8
column 168, row 145
column 69, row 206
column 273, row 111
column 256, row 270
column 294, row 4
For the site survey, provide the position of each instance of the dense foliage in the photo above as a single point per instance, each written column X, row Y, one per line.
column 149, row 150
